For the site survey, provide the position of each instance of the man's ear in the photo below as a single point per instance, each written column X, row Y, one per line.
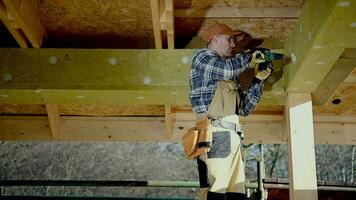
column 240, row 37
column 214, row 39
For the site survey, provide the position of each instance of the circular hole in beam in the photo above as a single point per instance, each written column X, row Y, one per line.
column 336, row 101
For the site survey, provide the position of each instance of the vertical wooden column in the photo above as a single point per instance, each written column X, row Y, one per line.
column 300, row 135
column 163, row 20
column 170, row 23
column 155, row 9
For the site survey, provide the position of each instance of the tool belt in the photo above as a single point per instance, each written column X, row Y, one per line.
column 198, row 140
column 228, row 125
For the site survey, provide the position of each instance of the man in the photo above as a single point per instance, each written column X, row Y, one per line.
column 216, row 98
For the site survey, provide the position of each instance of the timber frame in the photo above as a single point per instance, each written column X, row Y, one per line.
column 322, row 57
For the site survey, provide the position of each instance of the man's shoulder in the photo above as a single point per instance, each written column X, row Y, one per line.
column 204, row 53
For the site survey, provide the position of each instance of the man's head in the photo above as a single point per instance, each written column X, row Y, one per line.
column 221, row 38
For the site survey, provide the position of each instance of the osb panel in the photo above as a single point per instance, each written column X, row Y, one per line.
column 200, row 4
column 347, row 94
column 272, row 28
column 259, row 109
column 22, row 109
column 106, row 23
column 112, row 110
column 95, row 110
column 109, row 18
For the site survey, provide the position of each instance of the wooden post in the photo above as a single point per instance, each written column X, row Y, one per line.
column 168, row 121
column 53, row 117
column 301, row 161
column 155, row 9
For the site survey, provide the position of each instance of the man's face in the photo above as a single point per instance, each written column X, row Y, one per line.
column 225, row 43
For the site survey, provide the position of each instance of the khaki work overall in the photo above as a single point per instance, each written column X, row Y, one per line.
column 221, row 170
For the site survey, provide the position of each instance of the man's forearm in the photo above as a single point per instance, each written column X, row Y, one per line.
column 250, row 98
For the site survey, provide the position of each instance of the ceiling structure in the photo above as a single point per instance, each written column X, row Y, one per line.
column 117, row 70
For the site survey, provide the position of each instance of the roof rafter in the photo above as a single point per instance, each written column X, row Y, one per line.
column 21, row 19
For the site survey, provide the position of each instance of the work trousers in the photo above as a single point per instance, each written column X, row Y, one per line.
column 221, row 170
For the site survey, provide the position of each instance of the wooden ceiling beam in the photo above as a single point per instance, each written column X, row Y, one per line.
column 266, row 129
column 100, row 76
column 25, row 17
column 333, row 80
column 323, row 32
column 228, row 12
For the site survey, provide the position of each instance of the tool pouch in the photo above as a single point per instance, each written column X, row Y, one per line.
column 197, row 140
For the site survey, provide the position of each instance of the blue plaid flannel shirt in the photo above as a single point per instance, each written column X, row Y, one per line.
column 208, row 68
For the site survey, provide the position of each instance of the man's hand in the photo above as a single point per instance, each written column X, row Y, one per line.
column 258, row 57
column 263, row 70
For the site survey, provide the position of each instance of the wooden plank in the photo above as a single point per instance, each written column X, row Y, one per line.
column 84, row 129
column 227, row 12
column 351, row 79
column 168, row 121
column 301, row 153
column 53, row 117
column 163, row 14
column 332, row 81
column 155, row 10
column 25, row 15
column 170, row 23
column 101, row 76
column 15, row 32
column 323, row 31
column 328, row 129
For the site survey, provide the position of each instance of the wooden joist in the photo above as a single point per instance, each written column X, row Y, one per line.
column 323, row 31
column 163, row 20
column 156, row 23
column 266, row 129
column 100, row 76
column 15, row 31
column 228, row 12
column 21, row 19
